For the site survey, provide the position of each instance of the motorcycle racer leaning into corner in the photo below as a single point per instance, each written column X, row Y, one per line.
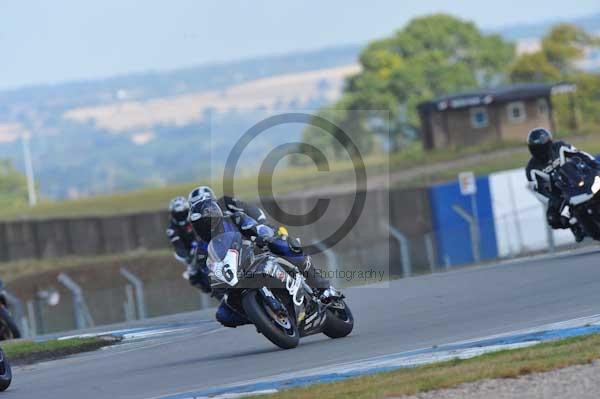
column 187, row 248
column 207, row 216
column 546, row 156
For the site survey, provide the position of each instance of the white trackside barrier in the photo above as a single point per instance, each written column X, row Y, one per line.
column 519, row 217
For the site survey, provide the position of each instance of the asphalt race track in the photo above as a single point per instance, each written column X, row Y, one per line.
column 409, row 314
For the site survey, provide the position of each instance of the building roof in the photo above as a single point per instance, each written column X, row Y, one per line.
column 522, row 91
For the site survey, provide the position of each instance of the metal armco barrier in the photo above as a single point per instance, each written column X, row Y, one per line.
column 473, row 222
column 138, row 286
column 430, row 251
column 83, row 318
column 404, row 247
column 18, row 311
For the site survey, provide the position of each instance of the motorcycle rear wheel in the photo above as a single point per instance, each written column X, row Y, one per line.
column 274, row 330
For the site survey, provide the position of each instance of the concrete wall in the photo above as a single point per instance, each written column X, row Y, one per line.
column 408, row 210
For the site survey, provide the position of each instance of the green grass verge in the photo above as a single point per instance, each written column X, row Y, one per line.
column 294, row 179
column 504, row 364
column 26, row 352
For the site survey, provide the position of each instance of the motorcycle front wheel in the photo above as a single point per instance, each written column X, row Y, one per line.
column 5, row 372
column 340, row 321
column 279, row 329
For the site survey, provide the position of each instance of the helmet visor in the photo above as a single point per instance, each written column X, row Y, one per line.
column 541, row 152
column 180, row 217
column 207, row 219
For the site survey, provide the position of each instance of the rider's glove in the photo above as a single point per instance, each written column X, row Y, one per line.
column 200, row 280
column 195, row 278
column 189, row 260
column 261, row 235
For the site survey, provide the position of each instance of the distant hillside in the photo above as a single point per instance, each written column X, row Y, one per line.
column 286, row 91
column 148, row 130
column 141, row 86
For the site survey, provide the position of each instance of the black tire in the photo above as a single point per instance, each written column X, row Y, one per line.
column 256, row 313
column 5, row 372
column 8, row 327
column 340, row 322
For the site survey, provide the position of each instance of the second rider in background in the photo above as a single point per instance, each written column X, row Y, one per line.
column 187, row 248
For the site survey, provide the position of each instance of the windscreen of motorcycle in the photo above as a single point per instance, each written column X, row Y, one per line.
column 219, row 245
column 224, row 256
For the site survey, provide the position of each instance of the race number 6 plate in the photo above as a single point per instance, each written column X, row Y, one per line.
column 227, row 269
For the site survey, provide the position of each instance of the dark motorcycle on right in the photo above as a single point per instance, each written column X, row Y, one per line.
column 579, row 184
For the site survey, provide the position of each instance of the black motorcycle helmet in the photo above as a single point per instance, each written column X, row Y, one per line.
column 540, row 144
column 179, row 209
column 206, row 217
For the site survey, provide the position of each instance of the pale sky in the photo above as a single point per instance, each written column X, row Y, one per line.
column 49, row 41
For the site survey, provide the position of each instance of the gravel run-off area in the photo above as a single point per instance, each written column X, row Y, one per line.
column 575, row 382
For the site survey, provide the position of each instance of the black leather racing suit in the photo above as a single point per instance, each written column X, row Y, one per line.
column 182, row 239
column 233, row 205
column 191, row 252
column 236, row 219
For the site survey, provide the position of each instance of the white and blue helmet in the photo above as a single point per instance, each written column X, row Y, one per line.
column 179, row 209
column 201, row 193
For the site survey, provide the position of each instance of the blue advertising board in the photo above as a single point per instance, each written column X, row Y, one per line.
column 453, row 235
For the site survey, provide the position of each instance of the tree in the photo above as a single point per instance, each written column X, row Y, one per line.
column 534, row 67
column 13, row 185
column 431, row 56
column 564, row 45
column 586, row 102
column 557, row 60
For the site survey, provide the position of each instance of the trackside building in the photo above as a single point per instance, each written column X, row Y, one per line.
column 502, row 113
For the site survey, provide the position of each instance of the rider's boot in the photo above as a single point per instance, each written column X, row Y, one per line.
column 229, row 317
column 578, row 232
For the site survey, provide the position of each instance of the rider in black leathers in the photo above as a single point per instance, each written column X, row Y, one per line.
column 545, row 158
column 206, row 217
column 186, row 247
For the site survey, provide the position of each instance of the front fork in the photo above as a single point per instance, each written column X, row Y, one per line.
column 272, row 302
column 280, row 309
